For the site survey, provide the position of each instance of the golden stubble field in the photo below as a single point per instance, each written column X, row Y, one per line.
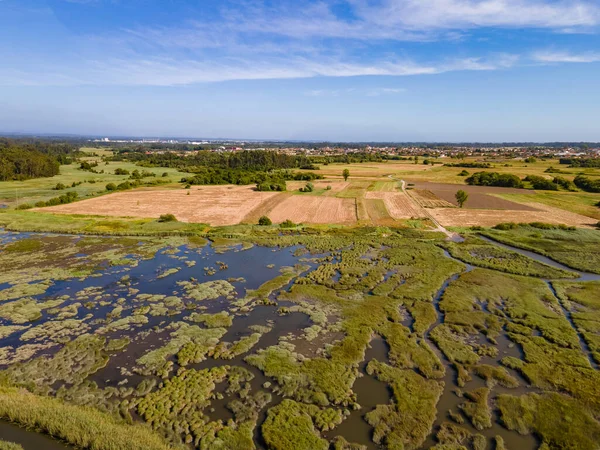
column 215, row 205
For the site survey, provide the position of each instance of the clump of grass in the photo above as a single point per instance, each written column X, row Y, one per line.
column 477, row 409
column 26, row 309
column 167, row 218
column 176, row 408
column 189, row 342
column 221, row 319
column 24, row 245
column 5, row 445
column 559, row 421
column 295, row 425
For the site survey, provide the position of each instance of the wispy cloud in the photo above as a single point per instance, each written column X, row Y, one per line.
column 370, row 92
column 255, row 39
column 565, row 57
column 176, row 72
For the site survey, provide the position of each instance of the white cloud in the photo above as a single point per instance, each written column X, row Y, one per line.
column 564, row 57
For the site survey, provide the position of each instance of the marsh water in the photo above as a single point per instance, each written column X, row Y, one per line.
column 247, row 269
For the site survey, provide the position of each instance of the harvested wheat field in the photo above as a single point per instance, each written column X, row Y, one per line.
column 214, row 205
column 456, row 217
column 314, row 209
column 334, row 185
column 398, row 204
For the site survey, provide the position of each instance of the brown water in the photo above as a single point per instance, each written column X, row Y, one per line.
column 30, row 440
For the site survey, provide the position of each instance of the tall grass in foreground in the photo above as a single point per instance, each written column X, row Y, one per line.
column 81, row 426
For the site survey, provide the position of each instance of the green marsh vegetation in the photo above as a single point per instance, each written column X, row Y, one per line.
column 201, row 360
column 484, row 254
column 576, row 248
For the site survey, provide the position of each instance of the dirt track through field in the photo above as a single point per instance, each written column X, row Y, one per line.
column 215, row 205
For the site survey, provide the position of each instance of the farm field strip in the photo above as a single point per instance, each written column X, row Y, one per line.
column 398, row 204
column 457, row 217
column 315, row 209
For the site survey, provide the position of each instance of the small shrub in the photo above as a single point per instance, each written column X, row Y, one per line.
column 287, row 224
column 165, row 174
column 120, row 171
column 463, row 173
column 328, row 188
column 24, row 206
column 167, row 218
column 506, row 226
column 265, row 221
column 111, row 187
column 124, row 186
column 59, row 187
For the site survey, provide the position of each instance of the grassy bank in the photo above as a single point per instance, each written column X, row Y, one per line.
column 95, row 225
column 80, row 426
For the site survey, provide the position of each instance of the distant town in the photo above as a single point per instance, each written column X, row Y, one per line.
column 438, row 150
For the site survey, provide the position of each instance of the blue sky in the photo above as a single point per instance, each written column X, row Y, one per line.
column 404, row 70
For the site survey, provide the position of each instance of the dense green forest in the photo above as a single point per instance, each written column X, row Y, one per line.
column 25, row 159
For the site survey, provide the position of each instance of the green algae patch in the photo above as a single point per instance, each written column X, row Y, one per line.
column 25, row 290
column 221, row 319
column 210, row 290
column 26, row 309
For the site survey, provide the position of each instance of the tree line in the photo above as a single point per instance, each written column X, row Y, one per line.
column 26, row 159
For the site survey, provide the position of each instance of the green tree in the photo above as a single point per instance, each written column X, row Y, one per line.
column 346, row 174
column 461, row 197
column 264, row 221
